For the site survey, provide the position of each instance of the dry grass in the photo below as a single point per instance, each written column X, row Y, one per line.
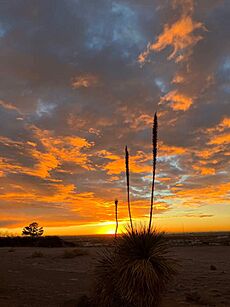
column 73, row 253
column 11, row 250
column 37, row 254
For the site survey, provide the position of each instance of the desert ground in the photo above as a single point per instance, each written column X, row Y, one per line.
column 31, row 276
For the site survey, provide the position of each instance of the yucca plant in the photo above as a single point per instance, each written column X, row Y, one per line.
column 143, row 267
column 135, row 272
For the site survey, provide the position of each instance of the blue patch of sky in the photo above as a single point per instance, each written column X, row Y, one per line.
column 173, row 161
column 3, row 31
column 183, row 178
column 226, row 88
column 224, row 68
column 118, row 26
column 224, row 75
column 44, row 108
column 161, row 84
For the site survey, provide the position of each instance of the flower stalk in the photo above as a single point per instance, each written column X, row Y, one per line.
column 127, row 181
column 154, row 144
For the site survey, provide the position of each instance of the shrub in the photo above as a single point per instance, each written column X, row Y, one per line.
column 136, row 272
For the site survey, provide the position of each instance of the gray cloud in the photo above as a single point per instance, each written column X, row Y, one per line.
column 46, row 45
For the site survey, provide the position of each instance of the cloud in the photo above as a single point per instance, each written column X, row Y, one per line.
column 56, row 151
column 116, row 163
column 178, row 79
column 199, row 215
column 71, row 101
column 179, row 101
column 87, row 80
column 204, row 170
column 8, row 105
column 220, row 134
column 180, row 35
column 166, row 150
column 212, row 194
column 221, row 139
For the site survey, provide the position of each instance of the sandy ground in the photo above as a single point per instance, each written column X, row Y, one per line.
column 56, row 281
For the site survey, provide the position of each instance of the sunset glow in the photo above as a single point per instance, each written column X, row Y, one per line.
column 81, row 83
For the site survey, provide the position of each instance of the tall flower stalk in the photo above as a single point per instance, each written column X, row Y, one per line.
column 154, row 143
column 116, row 216
column 127, row 180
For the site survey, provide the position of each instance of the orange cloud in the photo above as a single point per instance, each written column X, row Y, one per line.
column 139, row 163
column 117, row 164
column 210, row 194
column 220, row 135
column 7, row 105
column 87, row 80
column 204, row 170
column 57, row 150
column 204, row 153
column 223, row 125
column 178, row 79
column 139, row 122
column 165, row 150
column 179, row 102
column 180, row 35
column 225, row 122
column 220, row 139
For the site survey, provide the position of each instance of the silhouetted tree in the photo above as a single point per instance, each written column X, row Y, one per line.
column 33, row 230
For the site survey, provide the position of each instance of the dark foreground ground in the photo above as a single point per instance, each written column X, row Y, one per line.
column 31, row 276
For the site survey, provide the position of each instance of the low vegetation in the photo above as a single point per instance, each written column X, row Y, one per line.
column 73, row 253
column 48, row 241
column 37, row 254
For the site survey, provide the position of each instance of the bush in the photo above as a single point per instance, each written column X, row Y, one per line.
column 136, row 272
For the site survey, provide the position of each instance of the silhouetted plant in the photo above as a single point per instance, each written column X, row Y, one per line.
column 33, row 230
column 116, row 216
column 127, row 181
column 136, row 272
column 154, row 144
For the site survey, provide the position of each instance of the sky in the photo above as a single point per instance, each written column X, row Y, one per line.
column 80, row 79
